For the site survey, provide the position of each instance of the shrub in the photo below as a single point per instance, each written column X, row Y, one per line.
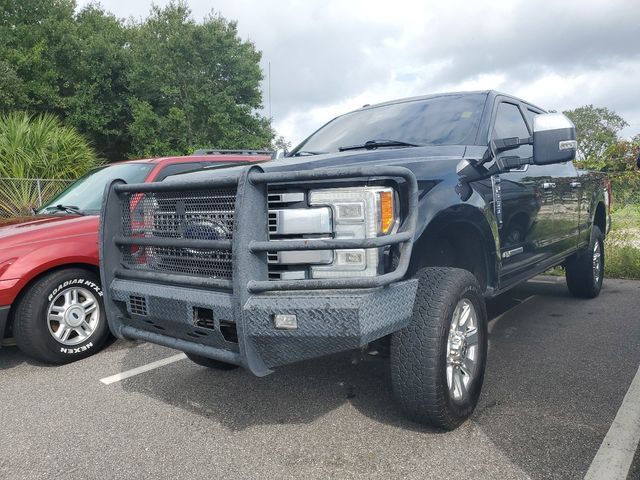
column 37, row 147
column 41, row 147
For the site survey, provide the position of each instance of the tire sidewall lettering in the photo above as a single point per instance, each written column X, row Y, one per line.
column 75, row 350
column 75, row 281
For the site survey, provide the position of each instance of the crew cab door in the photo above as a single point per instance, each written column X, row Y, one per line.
column 567, row 198
column 526, row 234
column 568, row 193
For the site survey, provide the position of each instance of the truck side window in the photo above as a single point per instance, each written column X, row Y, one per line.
column 510, row 123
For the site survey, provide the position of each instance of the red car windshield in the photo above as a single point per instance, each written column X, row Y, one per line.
column 85, row 195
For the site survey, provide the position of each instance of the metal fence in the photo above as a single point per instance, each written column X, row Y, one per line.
column 19, row 196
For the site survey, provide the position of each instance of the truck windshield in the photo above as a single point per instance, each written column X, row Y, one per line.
column 443, row 120
column 85, row 194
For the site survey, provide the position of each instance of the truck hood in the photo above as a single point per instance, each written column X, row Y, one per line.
column 437, row 159
column 382, row 156
column 25, row 230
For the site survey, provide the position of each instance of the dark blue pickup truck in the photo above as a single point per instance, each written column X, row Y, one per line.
column 387, row 227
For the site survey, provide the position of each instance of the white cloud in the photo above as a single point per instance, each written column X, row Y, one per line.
column 329, row 56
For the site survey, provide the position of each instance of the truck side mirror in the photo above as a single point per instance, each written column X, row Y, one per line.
column 554, row 139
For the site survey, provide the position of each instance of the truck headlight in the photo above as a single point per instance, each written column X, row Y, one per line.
column 358, row 212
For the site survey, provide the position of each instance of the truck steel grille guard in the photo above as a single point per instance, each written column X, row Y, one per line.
column 249, row 244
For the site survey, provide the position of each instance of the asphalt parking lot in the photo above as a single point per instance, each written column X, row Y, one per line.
column 558, row 371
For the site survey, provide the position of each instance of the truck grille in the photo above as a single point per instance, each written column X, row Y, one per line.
column 190, row 215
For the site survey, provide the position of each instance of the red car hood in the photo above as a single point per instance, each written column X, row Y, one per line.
column 38, row 228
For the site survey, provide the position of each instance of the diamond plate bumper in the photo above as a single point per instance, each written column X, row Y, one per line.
column 328, row 321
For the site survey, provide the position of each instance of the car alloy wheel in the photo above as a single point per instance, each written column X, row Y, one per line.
column 73, row 316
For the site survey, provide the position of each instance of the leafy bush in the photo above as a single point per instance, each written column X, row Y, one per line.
column 42, row 147
column 38, row 147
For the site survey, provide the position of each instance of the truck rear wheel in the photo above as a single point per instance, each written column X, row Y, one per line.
column 438, row 360
column 585, row 270
column 61, row 318
column 210, row 362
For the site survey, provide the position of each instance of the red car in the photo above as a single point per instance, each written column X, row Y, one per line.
column 50, row 293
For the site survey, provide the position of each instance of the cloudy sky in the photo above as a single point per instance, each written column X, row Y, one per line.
column 330, row 56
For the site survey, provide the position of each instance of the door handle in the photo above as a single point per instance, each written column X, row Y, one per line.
column 547, row 185
column 575, row 184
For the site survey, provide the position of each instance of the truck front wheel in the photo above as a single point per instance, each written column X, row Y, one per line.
column 438, row 360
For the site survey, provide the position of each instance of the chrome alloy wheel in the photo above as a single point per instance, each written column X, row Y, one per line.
column 597, row 262
column 462, row 350
column 73, row 316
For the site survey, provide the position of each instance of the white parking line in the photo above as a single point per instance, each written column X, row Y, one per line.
column 144, row 368
column 618, row 448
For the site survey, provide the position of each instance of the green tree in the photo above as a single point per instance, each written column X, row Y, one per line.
column 621, row 156
column 74, row 66
column 12, row 88
column 165, row 85
column 194, row 85
column 597, row 129
column 97, row 92
column 34, row 41
column 280, row 143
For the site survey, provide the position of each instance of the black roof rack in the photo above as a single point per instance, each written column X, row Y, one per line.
column 215, row 151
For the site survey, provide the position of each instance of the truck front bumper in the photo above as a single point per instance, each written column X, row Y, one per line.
column 328, row 321
column 228, row 314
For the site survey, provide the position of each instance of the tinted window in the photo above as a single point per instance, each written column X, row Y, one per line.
column 510, row 123
column 446, row 120
column 86, row 192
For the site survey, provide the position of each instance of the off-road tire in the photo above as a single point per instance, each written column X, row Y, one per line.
column 30, row 327
column 419, row 351
column 580, row 272
column 210, row 362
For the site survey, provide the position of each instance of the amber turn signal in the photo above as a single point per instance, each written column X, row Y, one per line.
column 387, row 215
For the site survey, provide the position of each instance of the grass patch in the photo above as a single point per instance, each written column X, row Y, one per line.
column 622, row 254
column 622, row 262
column 627, row 217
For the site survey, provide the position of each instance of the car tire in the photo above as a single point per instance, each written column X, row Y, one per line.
column 61, row 318
column 438, row 360
column 210, row 362
column 585, row 270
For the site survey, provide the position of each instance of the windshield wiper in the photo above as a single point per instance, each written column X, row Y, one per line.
column 67, row 208
column 373, row 144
